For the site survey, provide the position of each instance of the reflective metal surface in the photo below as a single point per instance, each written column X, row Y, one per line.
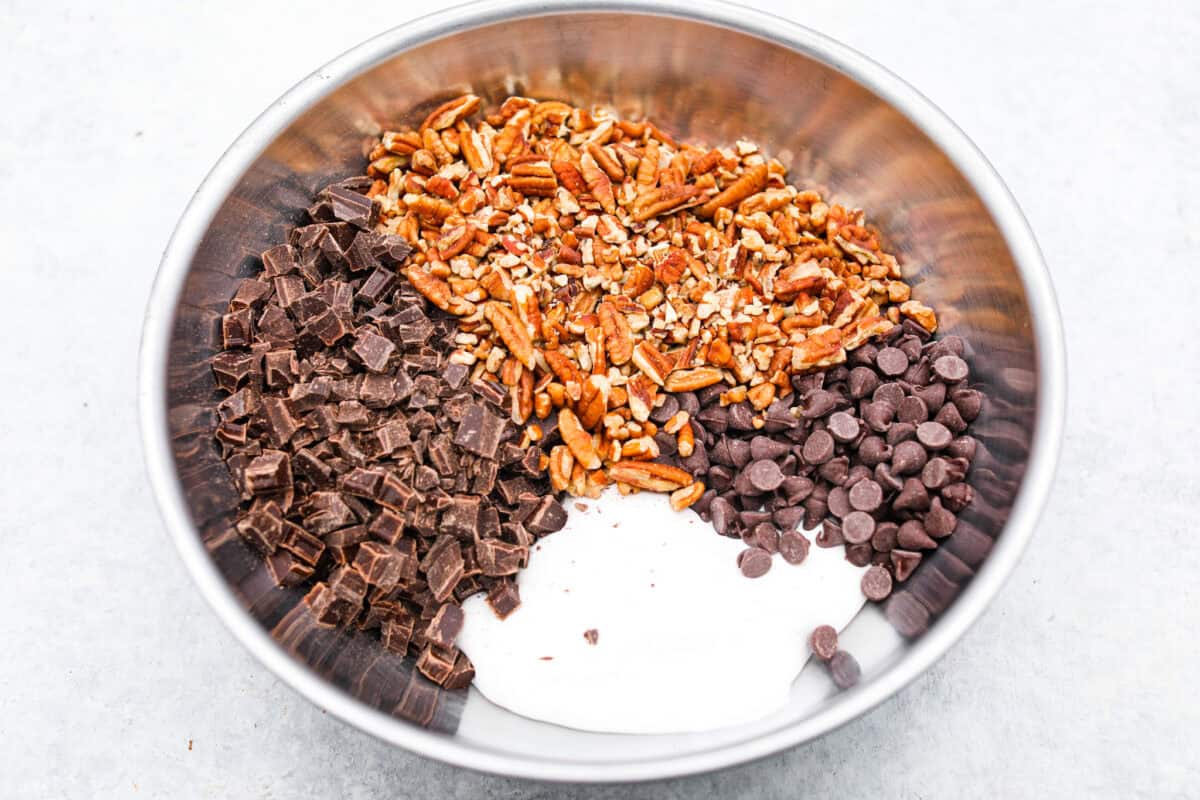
column 702, row 70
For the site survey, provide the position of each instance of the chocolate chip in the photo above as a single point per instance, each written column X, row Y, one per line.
column 844, row 670
column 862, row 382
column 835, row 470
column 912, row 536
column 818, row 448
column 891, row 361
column 876, row 583
column 939, row 521
column 819, row 403
column 668, row 409
column 908, row 458
column 788, row 517
column 912, row 497
column 866, row 495
column 740, row 417
column 796, row 488
column 912, row 410
column 723, row 515
column 873, row 450
column 823, row 641
column 859, row 555
column 793, row 546
column 715, row 419
column 891, row 393
column 754, row 562
column 934, row 435
column 884, row 538
column 969, row 402
column 904, row 562
column 843, row 427
column 901, row 432
column 933, row 395
column 764, row 447
column 830, row 534
column 838, row 502
column 766, row 536
column 878, row 415
column 764, row 476
column 950, row 368
column 957, row 496
column 857, row 527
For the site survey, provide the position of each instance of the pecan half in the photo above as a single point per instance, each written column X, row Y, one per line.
column 618, row 338
column 451, row 112
column 690, row 380
column 511, row 330
column 649, row 475
column 578, row 439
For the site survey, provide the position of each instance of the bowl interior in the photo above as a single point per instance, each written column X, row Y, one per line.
column 699, row 81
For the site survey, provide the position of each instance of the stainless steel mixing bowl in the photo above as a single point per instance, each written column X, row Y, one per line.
column 701, row 69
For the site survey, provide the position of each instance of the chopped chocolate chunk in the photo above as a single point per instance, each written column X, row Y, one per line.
column 268, row 473
column 351, row 206
column 262, row 530
column 547, row 517
column 504, row 598
column 395, row 494
column 498, row 558
column 444, row 627
column 288, row 570
column 279, row 260
column 328, row 327
column 443, row 566
column 436, row 663
column 380, row 564
column 480, row 432
column 461, row 518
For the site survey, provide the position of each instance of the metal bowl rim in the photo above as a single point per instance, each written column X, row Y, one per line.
column 1002, row 560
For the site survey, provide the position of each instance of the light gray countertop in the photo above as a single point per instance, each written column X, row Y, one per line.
column 117, row 680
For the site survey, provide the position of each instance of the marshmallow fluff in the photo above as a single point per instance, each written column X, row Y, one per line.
column 683, row 641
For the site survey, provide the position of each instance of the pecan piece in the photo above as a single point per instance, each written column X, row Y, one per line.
column 662, row 200
column 568, row 175
column 689, row 380
column 593, row 401
column 753, row 181
column 688, row 495
column 598, row 183
column 618, row 338
column 474, row 150
column 640, row 393
column 438, row 292
column 578, row 439
column 822, row 348
column 606, row 162
column 656, row 366
column 562, row 462
column 649, row 475
column 451, row 112
column 454, row 240
column 672, row 267
column 511, row 330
